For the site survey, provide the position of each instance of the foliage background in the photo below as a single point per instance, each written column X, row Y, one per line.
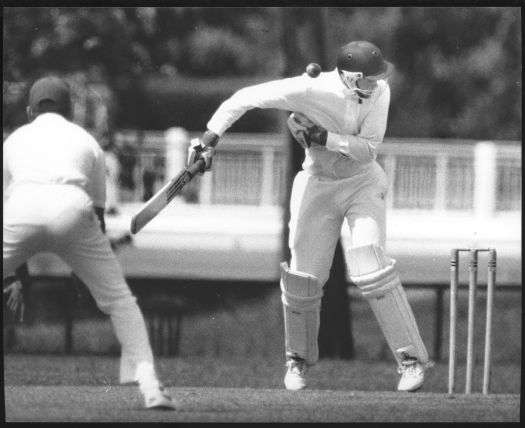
column 458, row 69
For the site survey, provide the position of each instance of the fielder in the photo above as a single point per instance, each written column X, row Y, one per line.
column 54, row 197
column 340, row 119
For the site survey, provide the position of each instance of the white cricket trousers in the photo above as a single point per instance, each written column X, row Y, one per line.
column 318, row 208
column 60, row 219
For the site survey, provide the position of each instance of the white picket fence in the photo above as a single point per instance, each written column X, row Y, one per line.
column 482, row 177
column 443, row 194
column 425, row 174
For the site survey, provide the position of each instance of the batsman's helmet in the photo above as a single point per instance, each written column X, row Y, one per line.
column 358, row 60
column 363, row 57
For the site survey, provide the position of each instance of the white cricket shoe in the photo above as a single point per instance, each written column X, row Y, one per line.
column 294, row 379
column 412, row 375
column 158, row 398
column 155, row 394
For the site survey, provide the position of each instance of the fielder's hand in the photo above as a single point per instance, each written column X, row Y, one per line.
column 14, row 298
column 203, row 148
column 305, row 131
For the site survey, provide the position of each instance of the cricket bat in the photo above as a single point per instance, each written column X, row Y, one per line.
column 164, row 196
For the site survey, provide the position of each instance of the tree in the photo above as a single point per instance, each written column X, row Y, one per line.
column 458, row 70
column 459, row 80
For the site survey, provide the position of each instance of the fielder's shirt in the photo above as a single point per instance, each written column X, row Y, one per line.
column 53, row 150
column 355, row 127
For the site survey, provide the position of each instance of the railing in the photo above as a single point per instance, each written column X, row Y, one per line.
column 249, row 169
column 480, row 177
column 424, row 174
column 438, row 192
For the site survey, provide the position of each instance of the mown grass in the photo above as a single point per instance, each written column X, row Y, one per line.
column 333, row 374
column 123, row 404
column 229, row 367
column 237, row 322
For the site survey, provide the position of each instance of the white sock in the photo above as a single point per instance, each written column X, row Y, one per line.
column 146, row 377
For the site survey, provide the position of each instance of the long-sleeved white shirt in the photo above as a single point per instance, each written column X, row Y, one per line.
column 53, row 150
column 355, row 128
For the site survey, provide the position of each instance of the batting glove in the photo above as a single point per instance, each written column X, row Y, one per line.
column 305, row 131
column 14, row 297
column 203, row 148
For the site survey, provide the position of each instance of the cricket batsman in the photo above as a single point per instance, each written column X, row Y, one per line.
column 339, row 117
column 54, row 197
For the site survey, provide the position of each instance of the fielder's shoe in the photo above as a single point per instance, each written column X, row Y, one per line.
column 158, row 398
column 155, row 394
column 412, row 374
column 294, row 379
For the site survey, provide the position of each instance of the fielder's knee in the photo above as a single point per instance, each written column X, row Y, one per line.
column 118, row 303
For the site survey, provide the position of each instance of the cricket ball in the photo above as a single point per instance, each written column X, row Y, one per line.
column 313, row 69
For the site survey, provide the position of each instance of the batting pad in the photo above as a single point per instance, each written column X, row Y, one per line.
column 301, row 297
column 374, row 273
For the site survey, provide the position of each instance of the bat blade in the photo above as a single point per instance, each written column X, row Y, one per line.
column 164, row 196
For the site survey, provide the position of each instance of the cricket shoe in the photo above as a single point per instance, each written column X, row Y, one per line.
column 412, row 374
column 294, row 379
column 158, row 398
column 155, row 394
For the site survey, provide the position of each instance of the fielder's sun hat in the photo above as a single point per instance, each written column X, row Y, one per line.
column 53, row 89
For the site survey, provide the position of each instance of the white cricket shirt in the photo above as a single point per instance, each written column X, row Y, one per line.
column 53, row 150
column 355, row 128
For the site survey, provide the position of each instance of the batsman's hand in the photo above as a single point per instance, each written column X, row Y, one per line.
column 305, row 131
column 14, row 299
column 203, row 148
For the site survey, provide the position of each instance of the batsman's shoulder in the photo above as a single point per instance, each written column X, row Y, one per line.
column 382, row 93
column 383, row 86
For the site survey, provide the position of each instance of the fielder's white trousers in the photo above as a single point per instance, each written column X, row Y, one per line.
column 318, row 207
column 60, row 219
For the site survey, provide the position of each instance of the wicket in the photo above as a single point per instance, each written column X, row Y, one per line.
column 473, row 285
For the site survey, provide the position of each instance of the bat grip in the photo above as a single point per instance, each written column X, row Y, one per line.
column 196, row 167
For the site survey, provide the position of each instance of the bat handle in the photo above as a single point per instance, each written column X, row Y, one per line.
column 196, row 167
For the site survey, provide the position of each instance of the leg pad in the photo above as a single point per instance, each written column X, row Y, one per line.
column 301, row 297
column 374, row 273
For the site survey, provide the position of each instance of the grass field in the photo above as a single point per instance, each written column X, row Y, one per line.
column 52, row 388
column 229, row 368
column 121, row 404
